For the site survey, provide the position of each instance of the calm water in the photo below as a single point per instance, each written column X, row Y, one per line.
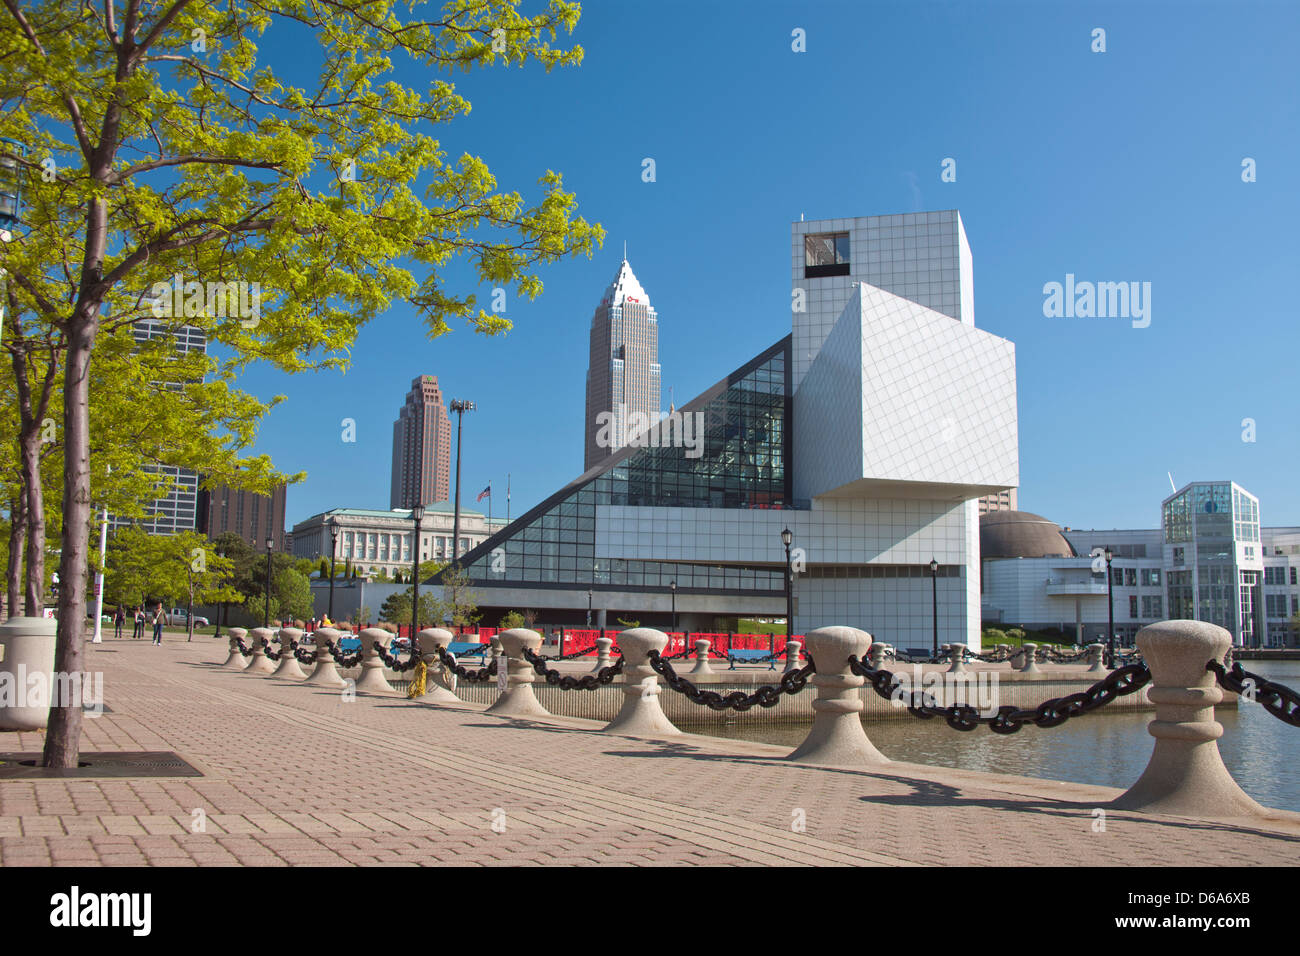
column 1261, row 752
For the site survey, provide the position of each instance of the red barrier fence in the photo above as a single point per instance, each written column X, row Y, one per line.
column 582, row 639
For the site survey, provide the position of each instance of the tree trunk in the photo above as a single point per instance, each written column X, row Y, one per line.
column 30, row 446
column 14, row 570
column 62, row 739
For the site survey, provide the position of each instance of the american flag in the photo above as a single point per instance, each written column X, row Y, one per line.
column 485, row 493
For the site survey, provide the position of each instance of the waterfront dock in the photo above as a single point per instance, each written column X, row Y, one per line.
column 296, row 774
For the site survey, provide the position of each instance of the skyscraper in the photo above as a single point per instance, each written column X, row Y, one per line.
column 623, row 373
column 178, row 511
column 421, row 447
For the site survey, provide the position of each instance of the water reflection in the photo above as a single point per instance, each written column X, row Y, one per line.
column 1111, row 750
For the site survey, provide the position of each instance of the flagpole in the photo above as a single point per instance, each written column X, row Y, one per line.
column 507, row 497
column 489, row 527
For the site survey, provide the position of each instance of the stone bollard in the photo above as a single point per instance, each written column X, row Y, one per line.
column 837, row 737
column 1031, row 659
column 372, row 679
column 518, row 699
column 27, row 666
column 496, row 649
column 1096, row 655
column 236, row 661
column 289, row 668
column 326, row 671
column 1004, row 651
column 641, row 712
column 702, row 657
column 603, row 644
column 956, row 654
column 259, row 663
column 793, row 655
column 1186, row 775
column 439, row 682
column 876, row 656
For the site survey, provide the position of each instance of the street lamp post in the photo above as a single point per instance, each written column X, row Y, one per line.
column 460, row 407
column 787, row 538
column 222, row 606
column 934, row 602
column 418, row 514
column 590, row 594
column 334, row 549
column 672, row 586
column 1110, row 608
column 266, row 614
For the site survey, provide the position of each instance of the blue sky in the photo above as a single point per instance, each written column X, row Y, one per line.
column 1115, row 166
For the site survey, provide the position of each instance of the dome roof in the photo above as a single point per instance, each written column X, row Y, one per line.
column 1019, row 534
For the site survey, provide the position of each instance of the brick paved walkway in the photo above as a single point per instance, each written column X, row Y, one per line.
column 296, row 775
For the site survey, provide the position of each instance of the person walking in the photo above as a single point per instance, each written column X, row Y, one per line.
column 159, row 618
column 138, row 632
column 118, row 620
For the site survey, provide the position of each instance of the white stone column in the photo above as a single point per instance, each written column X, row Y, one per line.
column 793, row 655
column 603, row 660
column 259, row 664
column 1031, row 659
column 236, row 661
column 1186, row 775
column 289, row 668
column 955, row 654
column 1096, row 657
column 837, row 737
column 372, row 680
column 641, row 712
column 518, row 699
column 326, row 671
column 439, row 682
column 702, row 657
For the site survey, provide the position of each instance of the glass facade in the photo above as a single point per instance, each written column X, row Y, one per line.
column 1215, row 518
column 741, row 463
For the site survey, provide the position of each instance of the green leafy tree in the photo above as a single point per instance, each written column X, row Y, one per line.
column 512, row 619
column 397, row 608
column 459, row 603
column 323, row 203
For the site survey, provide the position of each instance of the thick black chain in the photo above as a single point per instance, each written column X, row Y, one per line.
column 391, row 661
column 342, row 659
column 1278, row 699
column 1008, row 719
column 271, row 655
column 769, row 695
column 571, row 655
column 1056, row 657
column 604, row 676
column 244, row 649
column 997, row 657
column 480, row 676
column 304, row 656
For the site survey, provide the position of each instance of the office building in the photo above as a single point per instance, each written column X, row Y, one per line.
column 421, row 447
column 176, row 509
column 623, row 375
column 252, row 516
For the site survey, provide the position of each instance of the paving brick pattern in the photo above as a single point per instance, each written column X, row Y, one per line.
column 296, row 775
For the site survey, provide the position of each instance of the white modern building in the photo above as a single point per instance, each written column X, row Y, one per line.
column 870, row 432
column 1209, row 561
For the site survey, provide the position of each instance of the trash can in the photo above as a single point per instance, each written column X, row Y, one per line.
column 26, row 672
